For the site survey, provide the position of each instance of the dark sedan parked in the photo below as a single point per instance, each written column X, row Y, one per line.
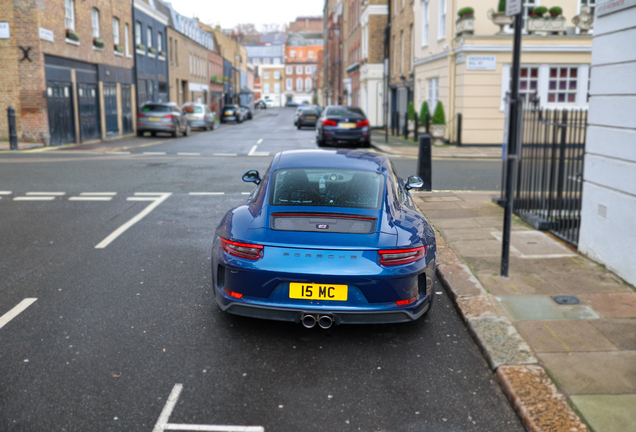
column 232, row 113
column 343, row 125
column 307, row 117
column 162, row 117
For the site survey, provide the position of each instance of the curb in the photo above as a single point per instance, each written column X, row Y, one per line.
column 531, row 392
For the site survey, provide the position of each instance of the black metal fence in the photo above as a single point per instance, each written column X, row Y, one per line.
column 550, row 171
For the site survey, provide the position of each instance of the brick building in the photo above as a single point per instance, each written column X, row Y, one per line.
column 308, row 24
column 272, row 79
column 401, row 82
column 215, row 62
column 373, row 21
column 300, row 64
column 332, row 68
column 68, row 69
column 352, row 51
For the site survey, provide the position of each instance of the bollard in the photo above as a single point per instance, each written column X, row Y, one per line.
column 415, row 132
column 459, row 129
column 406, row 125
column 424, row 162
column 13, row 133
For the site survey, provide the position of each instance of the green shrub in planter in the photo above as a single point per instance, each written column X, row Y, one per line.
column 502, row 6
column 556, row 12
column 538, row 12
column 439, row 118
column 423, row 111
column 466, row 12
column 141, row 47
column 412, row 112
column 70, row 34
column 152, row 50
column 119, row 49
column 98, row 43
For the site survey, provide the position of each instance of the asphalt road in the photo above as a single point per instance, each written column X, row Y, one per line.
column 117, row 331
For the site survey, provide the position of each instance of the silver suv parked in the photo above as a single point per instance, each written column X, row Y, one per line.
column 199, row 115
column 162, row 117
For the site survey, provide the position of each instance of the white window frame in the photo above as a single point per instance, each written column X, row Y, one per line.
column 149, row 37
column 292, row 53
column 126, row 41
column 441, row 25
column 432, row 92
column 138, row 35
column 299, row 70
column 95, row 22
column 159, row 42
column 289, row 84
column 266, row 75
column 289, row 70
column 69, row 14
column 307, row 70
column 311, row 54
column 266, row 88
column 277, row 87
column 402, row 56
column 276, row 61
column 115, row 31
column 307, row 84
column 425, row 22
column 276, row 75
column 266, row 61
column 299, row 84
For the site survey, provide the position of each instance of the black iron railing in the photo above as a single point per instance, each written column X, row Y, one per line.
column 550, row 171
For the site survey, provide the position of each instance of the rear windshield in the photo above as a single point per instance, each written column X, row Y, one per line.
column 230, row 108
column 156, row 108
column 310, row 112
column 345, row 111
column 326, row 187
column 197, row 109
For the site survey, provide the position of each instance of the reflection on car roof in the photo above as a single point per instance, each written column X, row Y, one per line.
column 342, row 158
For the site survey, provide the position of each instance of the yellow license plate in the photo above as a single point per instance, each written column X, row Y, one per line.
column 310, row 118
column 229, row 113
column 318, row 291
column 192, row 117
column 154, row 118
column 347, row 125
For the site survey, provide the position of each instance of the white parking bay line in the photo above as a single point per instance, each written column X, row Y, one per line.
column 259, row 141
column 90, row 198
column 119, row 231
column 251, row 152
column 98, row 193
column 119, row 153
column 5, row 192
column 245, row 193
column 46, row 193
column 224, row 154
column 4, row 319
column 207, row 193
column 189, row 154
column 155, row 153
column 163, row 425
column 34, row 198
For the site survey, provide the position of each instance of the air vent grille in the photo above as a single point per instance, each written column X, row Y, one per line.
column 323, row 223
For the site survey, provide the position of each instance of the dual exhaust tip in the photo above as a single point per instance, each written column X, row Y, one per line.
column 309, row 321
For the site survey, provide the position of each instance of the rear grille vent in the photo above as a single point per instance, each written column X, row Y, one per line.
column 323, row 223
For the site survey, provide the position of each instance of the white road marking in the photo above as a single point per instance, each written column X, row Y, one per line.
column 224, row 154
column 90, row 198
column 46, row 193
column 158, row 200
column 245, row 193
column 253, row 152
column 141, row 198
column 207, row 193
column 151, row 193
column 155, row 153
column 98, row 193
column 5, row 192
column 259, row 141
column 163, row 425
column 34, row 198
column 167, row 409
column 4, row 319
column 189, row 154
column 119, row 152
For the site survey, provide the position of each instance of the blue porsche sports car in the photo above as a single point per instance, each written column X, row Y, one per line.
column 327, row 237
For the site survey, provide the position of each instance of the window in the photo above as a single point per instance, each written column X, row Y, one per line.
column 432, row 92
column 266, row 61
column 289, row 84
column 441, row 28
column 266, row 87
column 69, row 14
column 299, row 70
column 277, row 75
column 307, row 84
column 276, row 61
column 299, row 84
column 277, row 87
column 159, row 41
column 402, row 53
column 150, row 87
column 292, row 53
column 425, row 23
column 307, row 70
column 528, row 83
column 256, row 61
column 311, row 53
column 562, row 85
column 266, row 74
column 176, row 54
column 300, row 53
column 149, row 37
column 95, row 22
column 170, row 49
column 138, row 33
column 289, row 70
column 115, row 31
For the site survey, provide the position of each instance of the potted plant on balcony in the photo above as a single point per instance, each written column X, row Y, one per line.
column 438, row 126
column 152, row 50
column 118, row 48
column 412, row 114
column 424, row 111
column 214, row 79
column 546, row 21
column 141, row 47
column 71, row 35
column 465, row 25
column 499, row 18
column 98, row 43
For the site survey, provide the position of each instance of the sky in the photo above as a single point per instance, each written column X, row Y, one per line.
column 228, row 13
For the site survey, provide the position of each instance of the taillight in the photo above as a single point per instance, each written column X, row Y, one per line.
column 362, row 123
column 139, row 115
column 170, row 116
column 401, row 302
column 233, row 294
column 401, row 256
column 328, row 122
column 242, row 250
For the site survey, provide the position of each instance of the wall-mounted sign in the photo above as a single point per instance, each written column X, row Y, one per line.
column 460, row 58
column 609, row 6
column 513, row 7
column 4, row 30
column 481, row 62
column 46, row 35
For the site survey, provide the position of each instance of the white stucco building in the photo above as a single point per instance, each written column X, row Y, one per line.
column 608, row 221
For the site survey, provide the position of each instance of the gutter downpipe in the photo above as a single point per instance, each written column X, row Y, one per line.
column 387, row 63
column 452, row 68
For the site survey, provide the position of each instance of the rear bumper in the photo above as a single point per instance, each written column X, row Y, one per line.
column 197, row 123
column 155, row 127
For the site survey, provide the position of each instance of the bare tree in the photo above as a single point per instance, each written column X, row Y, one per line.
column 247, row 33
column 273, row 28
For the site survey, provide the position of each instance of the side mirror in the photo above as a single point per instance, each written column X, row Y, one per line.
column 252, row 177
column 414, row 182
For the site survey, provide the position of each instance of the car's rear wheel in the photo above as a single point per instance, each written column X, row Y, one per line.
column 140, row 133
column 188, row 130
column 176, row 132
column 299, row 126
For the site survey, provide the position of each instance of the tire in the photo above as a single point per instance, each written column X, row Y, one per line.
column 187, row 131
column 140, row 133
column 176, row 132
column 299, row 127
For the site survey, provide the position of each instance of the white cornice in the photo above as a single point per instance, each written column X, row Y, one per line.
column 373, row 10
column 431, row 58
column 525, row 48
column 148, row 10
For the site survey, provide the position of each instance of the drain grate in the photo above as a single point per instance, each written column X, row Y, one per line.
column 566, row 300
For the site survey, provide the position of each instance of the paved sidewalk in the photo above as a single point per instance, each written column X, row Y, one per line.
column 399, row 146
column 6, row 146
column 586, row 347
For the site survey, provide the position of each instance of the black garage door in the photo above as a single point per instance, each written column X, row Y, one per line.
column 88, row 111
column 60, row 108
